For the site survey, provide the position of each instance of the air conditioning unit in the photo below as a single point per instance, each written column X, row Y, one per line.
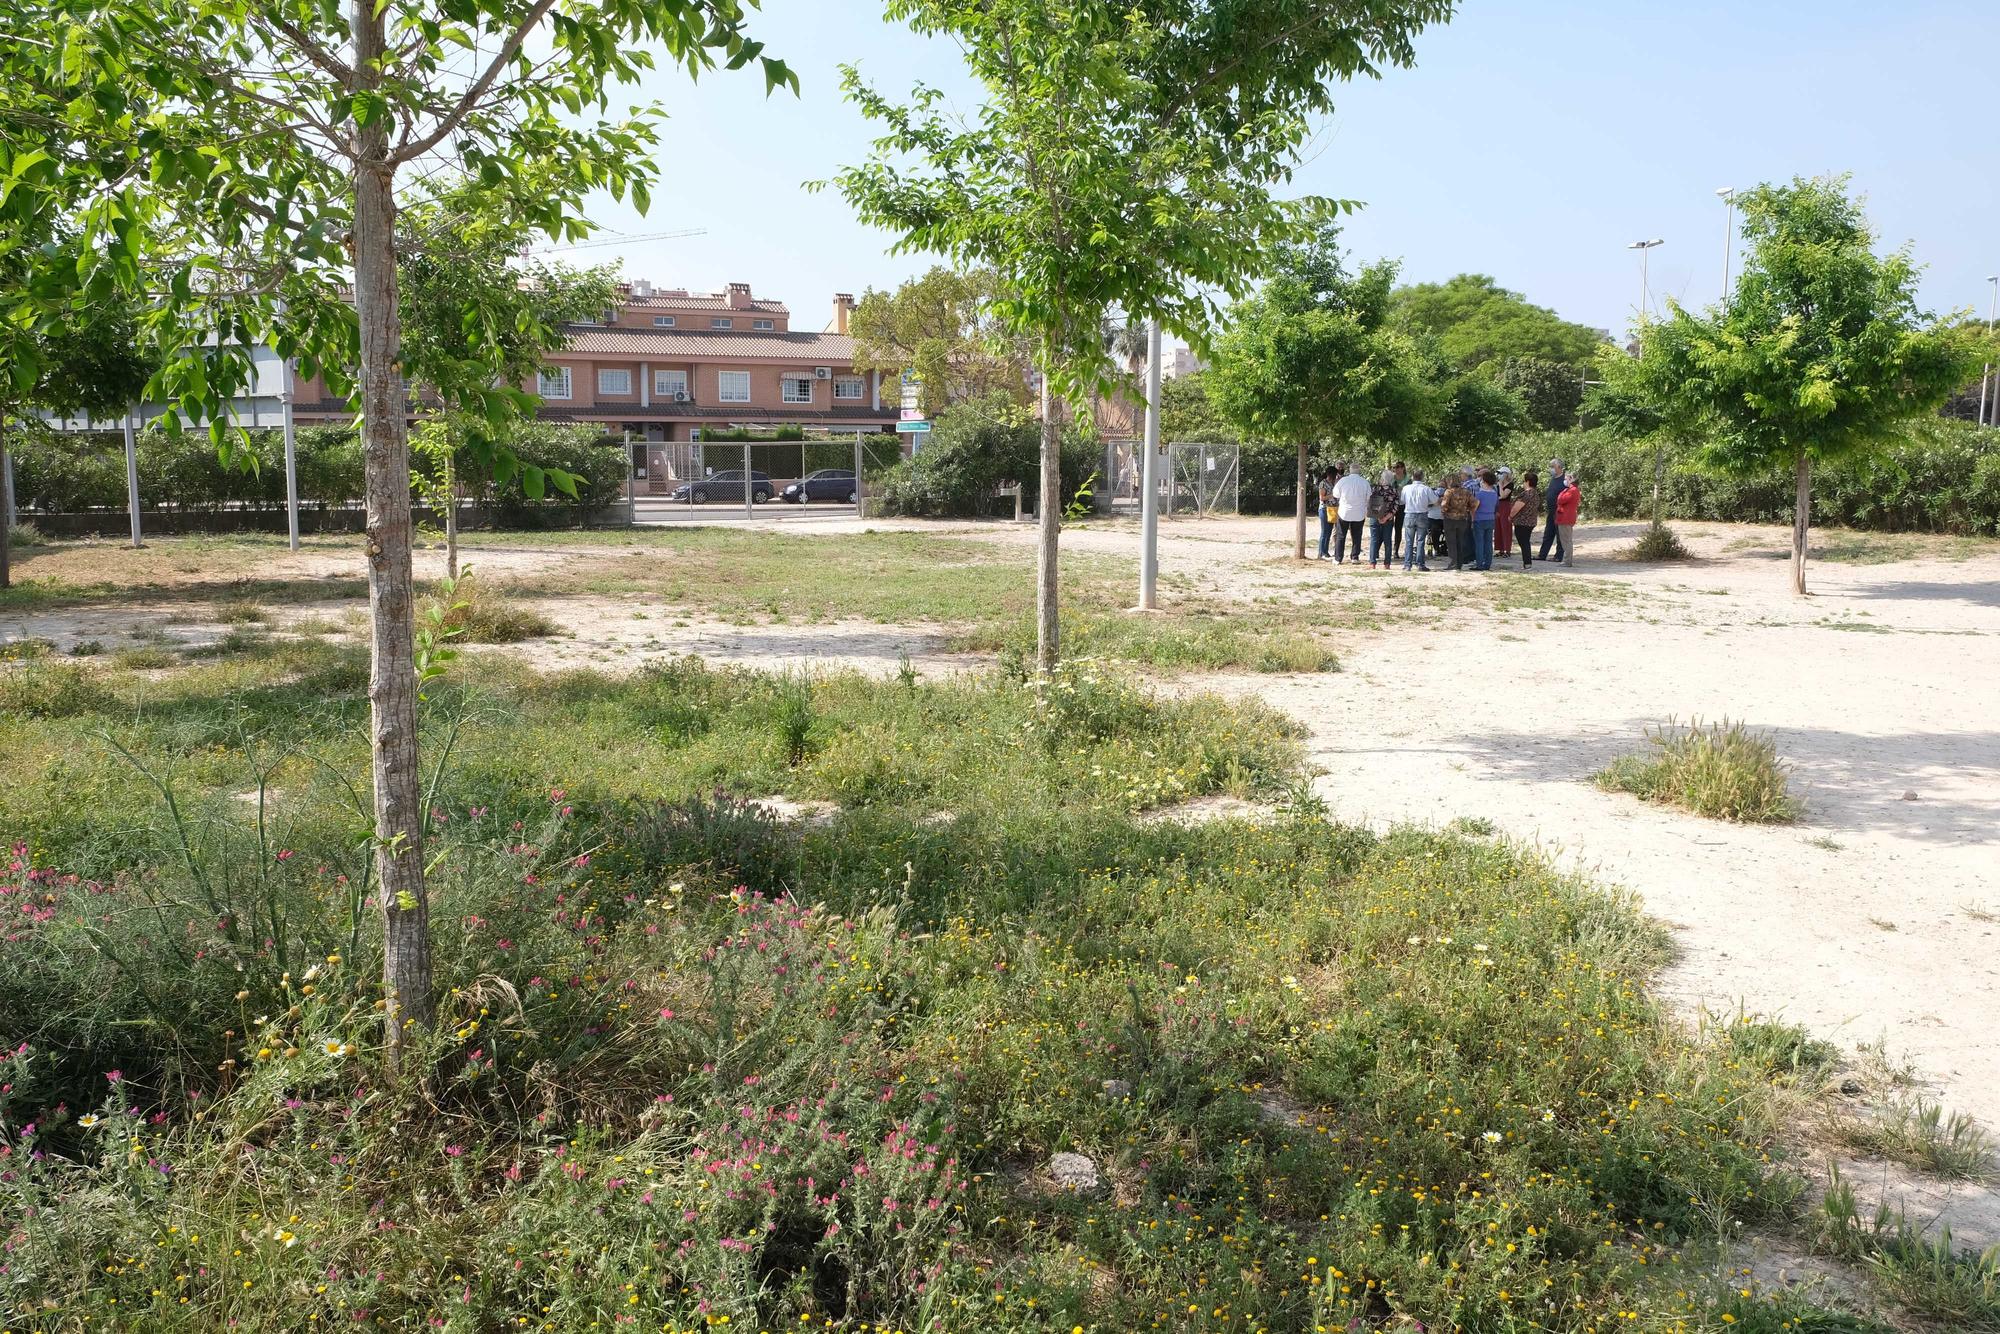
column 681, row 396
column 822, row 372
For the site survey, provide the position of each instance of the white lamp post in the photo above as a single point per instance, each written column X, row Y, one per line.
column 1986, row 371
column 1645, row 249
column 1727, row 194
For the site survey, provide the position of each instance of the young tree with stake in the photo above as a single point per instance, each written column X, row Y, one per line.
column 1820, row 353
column 240, row 163
column 1125, row 159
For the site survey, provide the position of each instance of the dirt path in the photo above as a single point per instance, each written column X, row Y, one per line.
column 1876, row 919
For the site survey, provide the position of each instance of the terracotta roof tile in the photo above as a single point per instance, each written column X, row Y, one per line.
column 824, row 348
column 702, row 301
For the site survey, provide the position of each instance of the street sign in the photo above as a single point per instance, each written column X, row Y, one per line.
column 913, row 387
column 913, row 428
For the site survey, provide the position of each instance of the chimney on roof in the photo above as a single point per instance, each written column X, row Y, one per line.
column 739, row 296
column 843, row 310
column 642, row 287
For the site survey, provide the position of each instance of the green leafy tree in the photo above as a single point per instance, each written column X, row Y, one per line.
column 1125, row 159
column 1480, row 324
column 74, row 361
column 1820, row 354
column 238, row 163
column 1310, row 358
column 1550, row 391
column 1187, row 412
column 476, row 312
column 942, row 325
column 1634, row 399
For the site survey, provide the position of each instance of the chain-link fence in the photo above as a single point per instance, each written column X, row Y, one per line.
column 675, row 480
column 1200, row 480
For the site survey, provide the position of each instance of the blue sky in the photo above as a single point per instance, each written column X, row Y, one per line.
column 1533, row 140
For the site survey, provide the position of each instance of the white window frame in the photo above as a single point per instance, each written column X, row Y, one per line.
column 763, row 325
column 623, row 374
column 721, row 322
column 842, row 383
column 559, row 376
column 668, row 383
column 723, row 380
column 790, row 378
column 663, row 321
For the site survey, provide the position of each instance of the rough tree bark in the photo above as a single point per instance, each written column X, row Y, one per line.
column 1299, row 537
column 1048, row 517
column 1801, row 522
column 6, row 511
column 392, row 679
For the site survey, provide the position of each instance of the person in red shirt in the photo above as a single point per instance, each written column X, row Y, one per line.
column 1568, row 501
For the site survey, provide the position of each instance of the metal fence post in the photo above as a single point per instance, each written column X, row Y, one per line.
column 749, row 492
column 860, row 496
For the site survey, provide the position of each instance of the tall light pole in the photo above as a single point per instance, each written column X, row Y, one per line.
column 1986, row 371
column 1645, row 249
column 1149, row 480
column 1727, row 194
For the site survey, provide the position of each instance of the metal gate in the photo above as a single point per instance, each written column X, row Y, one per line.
column 678, row 480
column 1200, row 481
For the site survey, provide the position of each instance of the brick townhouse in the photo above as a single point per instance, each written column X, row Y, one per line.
column 664, row 364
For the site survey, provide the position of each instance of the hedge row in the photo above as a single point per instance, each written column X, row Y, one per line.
column 56, row 473
column 1946, row 479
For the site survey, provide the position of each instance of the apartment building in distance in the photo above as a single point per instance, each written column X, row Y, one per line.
column 670, row 364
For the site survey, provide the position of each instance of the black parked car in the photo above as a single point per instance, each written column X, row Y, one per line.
column 725, row 486
column 835, row 484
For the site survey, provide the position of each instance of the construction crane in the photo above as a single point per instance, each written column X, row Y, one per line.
column 620, row 240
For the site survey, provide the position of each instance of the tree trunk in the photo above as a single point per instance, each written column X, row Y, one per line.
column 392, row 683
column 1801, row 523
column 450, row 516
column 1659, row 473
column 1048, row 627
column 1299, row 537
column 6, row 512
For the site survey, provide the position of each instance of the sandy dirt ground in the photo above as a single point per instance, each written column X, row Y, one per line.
column 1874, row 920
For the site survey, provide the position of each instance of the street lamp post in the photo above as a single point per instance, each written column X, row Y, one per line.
column 1986, row 371
column 1727, row 194
column 1645, row 249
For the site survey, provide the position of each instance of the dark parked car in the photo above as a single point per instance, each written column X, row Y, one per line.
column 835, row 484
column 725, row 486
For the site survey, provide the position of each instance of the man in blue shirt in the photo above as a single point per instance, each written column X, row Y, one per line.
column 1550, row 537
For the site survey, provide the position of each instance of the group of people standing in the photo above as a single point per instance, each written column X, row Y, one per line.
column 1477, row 514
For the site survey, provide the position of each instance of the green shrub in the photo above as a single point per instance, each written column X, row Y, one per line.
column 1724, row 771
column 1658, row 543
column 470, row 612
column 23, row 535
column 41, row 689
column 1944, row 479
column 974, row 448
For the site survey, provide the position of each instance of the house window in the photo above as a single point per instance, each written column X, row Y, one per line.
column 553, row 384
column 850, row 387
column 668, row 386
column 614, row 382
column 732, row 386
column 765, row 325
column 663, row 321
column 797, row 388
column 719, row 322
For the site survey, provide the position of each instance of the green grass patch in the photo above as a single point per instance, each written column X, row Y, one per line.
column 1724, row 771
column 695, row 1063
column 1921, row 1134
column 1657, row 544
